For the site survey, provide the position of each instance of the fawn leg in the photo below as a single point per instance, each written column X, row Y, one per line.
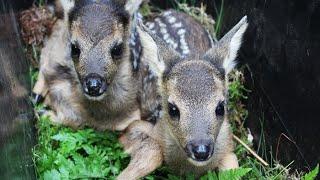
column 146, row 154
column 229, row 161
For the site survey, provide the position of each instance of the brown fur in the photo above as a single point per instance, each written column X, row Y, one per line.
column 60, row 81
column 196, row 84
column 164, row 75
column 95, row 28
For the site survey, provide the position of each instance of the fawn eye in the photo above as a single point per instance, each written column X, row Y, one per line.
column 116, row 51
column 75, row 52
column 173, row 111
column 220, row 109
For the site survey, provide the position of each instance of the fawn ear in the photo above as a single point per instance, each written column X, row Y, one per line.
column 225, row 51
column 132, row 6
column 156, row 53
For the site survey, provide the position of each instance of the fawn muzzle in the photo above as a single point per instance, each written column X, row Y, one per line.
column 94, row 85
column 200, row 150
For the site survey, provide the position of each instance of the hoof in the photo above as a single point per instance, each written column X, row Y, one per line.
column 37, row 98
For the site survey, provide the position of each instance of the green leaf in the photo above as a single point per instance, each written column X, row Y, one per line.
column 52, row 175
column 209, row 176
column 312, row 174
column 233, row 174
column 190, row 176
column 172, row 177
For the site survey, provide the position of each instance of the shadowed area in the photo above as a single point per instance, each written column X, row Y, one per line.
column 281, row 49
column 16, row 129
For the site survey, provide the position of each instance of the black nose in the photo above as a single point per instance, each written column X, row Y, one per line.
column 200, row 150
column 94, row 85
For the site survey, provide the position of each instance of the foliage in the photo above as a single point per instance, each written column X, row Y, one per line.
column 233, row 174
column 199, row 13
column 63, row 153
column 312, row 174
column 237, row 94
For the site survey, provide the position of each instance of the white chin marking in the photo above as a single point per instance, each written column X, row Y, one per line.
column 98, row 98
column 199, row 163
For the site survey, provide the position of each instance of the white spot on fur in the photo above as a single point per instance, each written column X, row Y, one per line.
column 165, row 36
column 183, row 40
column 183, row 44
column 170, row 42
column 235, row 43
column 181, row 31
column 171, row 20
column 175, row 45
column 177, row 25
column 185, row 52
column 163, row 30
column 167, row 13
column 185, row 48
column 150, row 25
column 162, row 25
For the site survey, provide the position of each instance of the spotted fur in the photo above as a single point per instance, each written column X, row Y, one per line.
column 174, row 28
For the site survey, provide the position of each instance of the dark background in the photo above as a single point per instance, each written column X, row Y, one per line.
column 16, row 126
column 281, row 56
column 282, row 50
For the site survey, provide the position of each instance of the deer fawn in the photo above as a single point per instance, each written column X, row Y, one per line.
column 193, row 131
column 89, row 70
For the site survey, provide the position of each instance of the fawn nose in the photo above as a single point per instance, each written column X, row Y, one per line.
column 200, row 150
column 94, row 85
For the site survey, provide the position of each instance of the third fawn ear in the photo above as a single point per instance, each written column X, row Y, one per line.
column 224, row 53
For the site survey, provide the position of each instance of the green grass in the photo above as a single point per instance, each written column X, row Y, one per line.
column 63, row 153
column 219, row 18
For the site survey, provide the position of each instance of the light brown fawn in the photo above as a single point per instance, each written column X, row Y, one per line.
column 193, row 131
column 88, row 72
